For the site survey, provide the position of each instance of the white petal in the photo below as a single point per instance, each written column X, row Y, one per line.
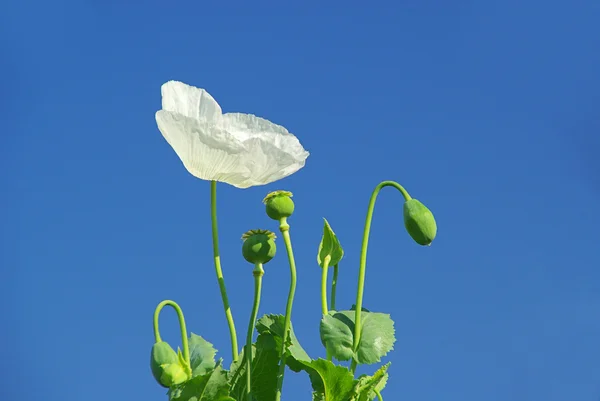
column 206, row 151
column 268, row 163
column 190, row 101
column 273, row 153
column 248, row 126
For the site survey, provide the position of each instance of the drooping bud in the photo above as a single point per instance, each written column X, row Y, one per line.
column 279, row 204
column 166, row 365
column 419, row 222
column 259, row 246
column 173, row 374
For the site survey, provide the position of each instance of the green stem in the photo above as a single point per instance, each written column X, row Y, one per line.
column 363, row 259
column 334, row 285
column 220, row 279
column 258, row 273
column 325, row 269
column 285, row 231
column 324, row 307
column 182, row 328
column 379, row 397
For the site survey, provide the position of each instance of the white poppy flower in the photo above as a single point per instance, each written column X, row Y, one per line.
column 240, row 149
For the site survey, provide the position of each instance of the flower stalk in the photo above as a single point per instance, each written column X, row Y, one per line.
column 182, row 328
column 258, row 273
column 363, row 261
column 285, row 232
column 219, row 271
column 324, row 276
column 279, row 206
column 169, row 367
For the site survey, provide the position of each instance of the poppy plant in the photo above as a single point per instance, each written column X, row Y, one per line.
column 244, row 150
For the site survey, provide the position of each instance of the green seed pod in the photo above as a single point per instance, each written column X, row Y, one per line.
column 259, row 246
column 165, row 365
column 419, row 222
column 279, row 204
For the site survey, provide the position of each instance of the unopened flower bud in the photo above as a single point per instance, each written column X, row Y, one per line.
column 173, row 374
column 166, row 365
column 419, row 222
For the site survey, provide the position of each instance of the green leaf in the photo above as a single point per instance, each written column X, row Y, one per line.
column 366, row 386
column 265, row 368
column 273, row 324
column 377, row 336
column 237, row 376
column 211, row 386
column 337, row 333
column 379, row 387
column 202, row 355
column 329, row 246
column 353, row 308
column 329, row 382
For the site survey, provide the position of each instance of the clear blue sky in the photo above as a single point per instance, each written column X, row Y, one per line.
column 488, row 112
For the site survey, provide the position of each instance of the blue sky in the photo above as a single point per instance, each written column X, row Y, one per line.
column 485, row 111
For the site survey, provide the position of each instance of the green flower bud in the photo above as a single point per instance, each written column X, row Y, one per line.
column 173, row 374
column 279, row 204
column 259, row 246
column 165, row 364
column 419, row 222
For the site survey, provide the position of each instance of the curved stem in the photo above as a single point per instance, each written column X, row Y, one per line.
column 363, row 257
column 182, row 328
column 334, row 286
column 379, row 397
column 220, row 279
column 325, row 268
column 258, row 273
column 285, row 232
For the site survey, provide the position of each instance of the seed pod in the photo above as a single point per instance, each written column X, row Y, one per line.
column 259, row 246
column 419, row 222
column 279, row 205
column 165, row 365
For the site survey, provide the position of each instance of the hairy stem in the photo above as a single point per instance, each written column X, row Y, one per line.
column 219, row 271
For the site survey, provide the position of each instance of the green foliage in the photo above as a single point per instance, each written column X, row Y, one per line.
column 329, row 382
column 376, row 340
column 365, row 387
column 329, row 246
column 202, row 377
column 273, row 324
column 211, row 386
column 265, row 364
column 202, row 355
